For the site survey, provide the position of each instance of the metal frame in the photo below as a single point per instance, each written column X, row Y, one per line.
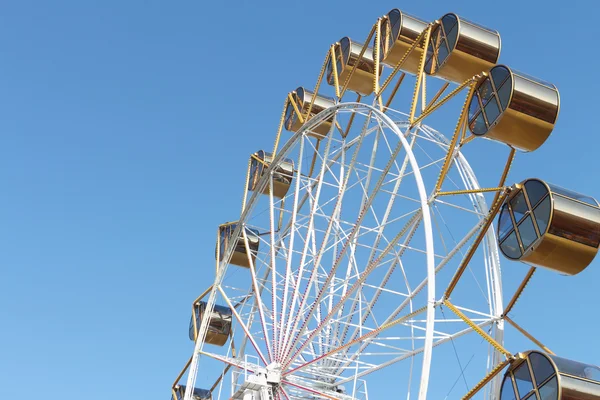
column 330, row 329
column 286, row 341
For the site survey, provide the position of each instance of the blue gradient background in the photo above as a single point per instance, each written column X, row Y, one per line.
column 124, row 140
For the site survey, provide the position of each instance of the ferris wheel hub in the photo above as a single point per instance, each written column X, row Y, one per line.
column 259, row 385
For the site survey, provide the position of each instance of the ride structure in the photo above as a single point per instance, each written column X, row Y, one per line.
column 365, row 260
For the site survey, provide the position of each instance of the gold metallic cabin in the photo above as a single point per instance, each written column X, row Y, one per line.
column 282, row 175
column 514, row 108
column 459, row 49
column 548, row 226
column 199, row 394
column 219, row 324
column 398, row 33
column 546, row 377
column 239, row 256
column 302, row 98
column 346, row 56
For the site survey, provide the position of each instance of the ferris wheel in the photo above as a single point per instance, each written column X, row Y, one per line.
column 365, row 262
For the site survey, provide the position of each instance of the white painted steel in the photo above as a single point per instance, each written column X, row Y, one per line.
column 292, row 342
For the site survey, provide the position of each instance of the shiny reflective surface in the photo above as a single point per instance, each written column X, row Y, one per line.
column 541, row 376
column 523, row 380
column 535, row 375
column 574, row 195
column 459, row 49
column 303, row 97
column 578, row 389
column 575, row 221
column 398, row 32
column 283, row 173
column 346, row 53
column 512, row 109
column 556, row 229
column 199, row 394
column 219, row 324
column 239, row 256
column 577, row 369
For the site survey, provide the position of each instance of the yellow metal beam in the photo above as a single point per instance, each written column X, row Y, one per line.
column 360, row 57
column 207, row 291
column 477, row 329
column 394, row 91
column 193, row 309
column 376, row 62
column 336, row 81
column 509, row 161
column 452, row 146
column 438, row 94
column 281, row 210
column 339, row 127
column 376, row 55
column 417, row 42
column 187, row 364
column 318, row 85
column 314, row 158
column 498, row 368
column 440, row 103
column 424, row 93
column 217, row 255
column 528, row 335
column 245, row 195
column 214, row 386
column 280, row 129
column 467, row 139
column 351, row 121
column 520, row 289
column 296, row 109
column 482, row 190
column 463, row 266
column 263, row 162
column 420, row 73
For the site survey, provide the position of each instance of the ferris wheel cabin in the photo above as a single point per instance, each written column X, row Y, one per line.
column 198, row 394
column 303, row 98
column 347, row 54
column 551, row 378
column 548, row 226
column 219, row 323
column 239, row 256
column 459, row 49
column 398, row 33
column 283, row 173
column 514, row 108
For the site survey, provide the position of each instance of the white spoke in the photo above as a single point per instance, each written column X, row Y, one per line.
column 338, row 286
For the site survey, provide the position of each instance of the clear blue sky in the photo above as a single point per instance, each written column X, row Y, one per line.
column 125, row 130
